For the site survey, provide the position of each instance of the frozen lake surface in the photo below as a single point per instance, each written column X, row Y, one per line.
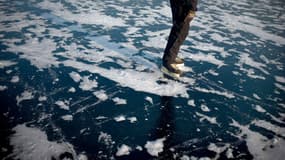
column 80, row 80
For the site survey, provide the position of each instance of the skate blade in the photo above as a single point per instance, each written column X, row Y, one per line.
column 169, row 74
column 180, row 66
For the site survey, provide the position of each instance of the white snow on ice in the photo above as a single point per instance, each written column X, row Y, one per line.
column 123, row 150
column 63, row 104
column 31, row 143
column 119, row 101
column 155, row 147
column 26, row 95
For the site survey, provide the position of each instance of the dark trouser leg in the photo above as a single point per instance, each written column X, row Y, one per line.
column 178, row 33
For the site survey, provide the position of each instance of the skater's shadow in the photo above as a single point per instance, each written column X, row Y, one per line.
column 166, row 126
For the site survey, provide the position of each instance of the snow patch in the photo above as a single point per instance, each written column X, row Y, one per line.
column 155, row 147
column 212, row 120
column 15, row 79
column 106, row 139
column 87, row 84
column 226, row 94
column 42, row 98
column 191, row 103
column 205, row 108
column 120, row 118
column 101, row 95
column 26, row 95
column 75, row 76
column 260, row 146
column 63, row 104
column 119, row 101
column 123, row 150
column 4, row 63
column 31, row 143
column 132, row 119
column 3, row 88
column 149, row 99
column 258, row 108
column 280, row 79
column 256, row 96
column 67, row 117
column 72, row 90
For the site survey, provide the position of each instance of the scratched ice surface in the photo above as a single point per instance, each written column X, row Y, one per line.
column 80, row 80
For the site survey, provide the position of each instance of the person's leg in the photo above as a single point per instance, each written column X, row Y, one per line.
column 178, row 34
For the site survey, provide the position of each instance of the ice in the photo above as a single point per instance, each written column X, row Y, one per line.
column 280, row 79
column 62, row 104
column 191, row 102
column 26, row 95
column 139, row 148
column 31, row 143
column 226, row 94
column 149, row 99
column 88, row 84
column 105, row 138
column 3, row 88
column 111, row 51
column 98, row 18
column 4, row 64
column 205, row 108
column 101, row 95
column 185, row 157
column 155, row 147
column 206, row 58
column 119, row 101
column 256, row 96
column 15, row 79
column 75, row 76
column 120, row 118
column 280, row 86
column 212, row 120
column 259, row 146
column 229, row 153
column 123, row 150
column 132, row 119
column 258, row 108
column 37, row 52
column 42, row 98
column 67, row 117
column 72, row 90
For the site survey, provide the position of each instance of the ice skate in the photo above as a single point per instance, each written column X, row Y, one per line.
column 171, row 70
